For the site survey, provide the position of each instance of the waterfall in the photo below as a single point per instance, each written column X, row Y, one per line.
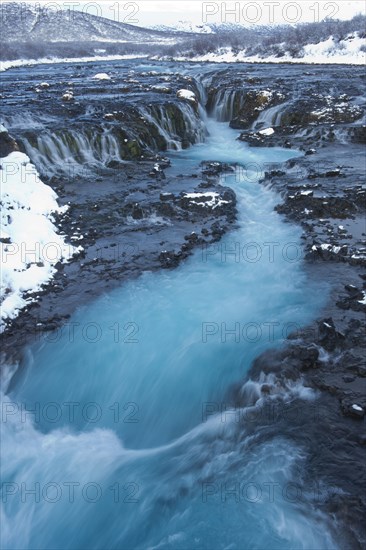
column 82, row 149
column 72, row 150
column 270, row 117
column 180, row 125
column 226, row 104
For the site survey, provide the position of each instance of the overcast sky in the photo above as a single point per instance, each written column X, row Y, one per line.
column 170, row 12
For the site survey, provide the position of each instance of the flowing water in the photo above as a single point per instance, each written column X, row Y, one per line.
column 127, row 447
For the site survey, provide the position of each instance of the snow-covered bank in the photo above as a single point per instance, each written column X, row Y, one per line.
column 4, row 65
column 30, row 246
column 350, row 51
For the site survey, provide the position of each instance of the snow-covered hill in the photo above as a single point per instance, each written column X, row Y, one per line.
column 28, row 23
column 186, row 27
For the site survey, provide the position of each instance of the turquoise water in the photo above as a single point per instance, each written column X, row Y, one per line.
column 127, row 394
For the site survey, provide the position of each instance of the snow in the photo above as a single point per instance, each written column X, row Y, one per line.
column 331, row 248
column 68, row 96
column 363, row 301
column 186, row 94
column 334, row 52
column 267, row 94
column 306, row 193
column 185, row 26
column 101, row 76
column 5, row 65
column 346, row 52
column 200, row 195
column 357, row 408
column 163, row 89
column 266, row 132
column 29, row 260
column 213, row 203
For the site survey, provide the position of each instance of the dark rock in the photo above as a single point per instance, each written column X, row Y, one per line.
column 137, row 212
column 307, row 355
column 329, row 337
column 215, row 168
column 7, row 144
column 352, row 409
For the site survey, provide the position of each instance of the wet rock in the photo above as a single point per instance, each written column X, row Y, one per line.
column 250, row 104
column 167, row 196
column 137, row 212
column 359, row 134
column 157, row 172
column 7, row 144
column 348, row 378
column 168, row 259
column 308, row 356
column 352, row 409
column 329, row 336
column 215, row 168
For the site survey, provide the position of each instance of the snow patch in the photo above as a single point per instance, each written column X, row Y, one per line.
column 213, row 203
column 266, row 132
column 5, row 65
column 102, row 76
column 187, row 94
column 33, row 247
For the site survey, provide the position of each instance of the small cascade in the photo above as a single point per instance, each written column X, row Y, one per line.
column 270, row 117
column 180, row 125
column 226, row 104
column 163, row 125
column 74, row 151
column 82, row 149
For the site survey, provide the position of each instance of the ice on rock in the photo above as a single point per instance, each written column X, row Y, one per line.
column 266, row 132
column 214, row 202
column 101, row 76
column 187, row 94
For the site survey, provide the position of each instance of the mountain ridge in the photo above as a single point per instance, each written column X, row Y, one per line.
column 23, row 23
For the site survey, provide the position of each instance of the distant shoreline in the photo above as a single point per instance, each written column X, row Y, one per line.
column 6, row 65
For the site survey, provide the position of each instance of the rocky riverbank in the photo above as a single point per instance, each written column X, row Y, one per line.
column 325, row 193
